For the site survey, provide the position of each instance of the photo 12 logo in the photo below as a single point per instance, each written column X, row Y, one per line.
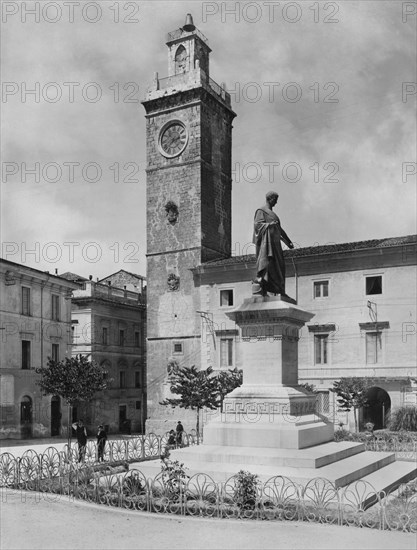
column 70, row 12
column 70, row 92
column 69, row 172
column 271, row 11
column 53, row 252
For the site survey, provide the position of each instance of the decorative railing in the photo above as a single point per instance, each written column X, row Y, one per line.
column 191, row 77
column 403, row 447
column 279, row 498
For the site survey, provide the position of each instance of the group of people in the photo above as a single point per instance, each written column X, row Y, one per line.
column 174, row 439
column 81, row 434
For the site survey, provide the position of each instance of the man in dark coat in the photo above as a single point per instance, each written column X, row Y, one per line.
column 179, row 429
column 101, row 443
column 268, row 234
column 81, row 434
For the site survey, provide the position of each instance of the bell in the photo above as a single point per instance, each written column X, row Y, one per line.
column 189, row 24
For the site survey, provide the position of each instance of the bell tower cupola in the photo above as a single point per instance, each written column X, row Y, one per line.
column 187, row 49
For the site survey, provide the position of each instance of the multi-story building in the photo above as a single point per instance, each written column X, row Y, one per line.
column 35, row 323
column 109, row 325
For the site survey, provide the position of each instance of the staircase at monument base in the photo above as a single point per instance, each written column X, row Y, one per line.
column 341, row 463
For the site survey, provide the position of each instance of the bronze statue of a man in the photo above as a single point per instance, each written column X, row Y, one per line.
column 268, row 233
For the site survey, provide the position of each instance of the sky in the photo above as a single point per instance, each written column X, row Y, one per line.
column 325, row 97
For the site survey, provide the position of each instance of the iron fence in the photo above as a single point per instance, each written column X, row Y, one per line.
column 280, row 498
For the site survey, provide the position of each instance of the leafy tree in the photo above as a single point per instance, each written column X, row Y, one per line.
column 352, row 394
column 227, row 381
column 198, row 389
column 74, row 379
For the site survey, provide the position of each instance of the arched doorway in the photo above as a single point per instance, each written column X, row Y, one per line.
column 56, row 415
column 26, row 417
column 378, row 408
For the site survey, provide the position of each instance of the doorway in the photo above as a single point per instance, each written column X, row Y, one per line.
column 378, row 409
column 56, row 415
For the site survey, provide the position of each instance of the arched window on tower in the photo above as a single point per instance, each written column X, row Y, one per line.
column 181, row 60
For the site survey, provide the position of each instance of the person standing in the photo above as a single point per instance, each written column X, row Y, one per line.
column 101, row 443
column 81, row 434
column 180, row 430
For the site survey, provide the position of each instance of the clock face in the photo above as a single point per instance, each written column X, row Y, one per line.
column 173, row 139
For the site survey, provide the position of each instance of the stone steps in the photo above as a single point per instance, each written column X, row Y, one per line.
column 392, row 476
column 341, row 473
column 313, row 457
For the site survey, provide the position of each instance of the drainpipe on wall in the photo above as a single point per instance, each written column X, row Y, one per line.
column 296, row 280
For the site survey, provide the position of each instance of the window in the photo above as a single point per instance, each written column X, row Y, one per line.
column 138, row 405
column 26, row 302
column 137, row 379
column 373, row 347
column 374, row 285
column 137, row 339
column 226, row 352
column 226, row 298
column 321, row 289
column 105, row 336
column 121, row 337
column 122, row 379
column 178, row 347
column 25, row 354
column 55, row 352
column 320, row 349
column 72, row 334
column 55, row 307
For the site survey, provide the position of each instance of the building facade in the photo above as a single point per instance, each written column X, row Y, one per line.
column 363, row 296
column 35, row 323
column 109, row 325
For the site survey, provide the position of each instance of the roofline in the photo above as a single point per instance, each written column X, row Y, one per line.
column 125, row 271
column 40, row 272
column 251, row 257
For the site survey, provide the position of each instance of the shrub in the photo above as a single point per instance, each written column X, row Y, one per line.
column 345, row 435
column 246, row 487
column 174, row 477
column 404, row 418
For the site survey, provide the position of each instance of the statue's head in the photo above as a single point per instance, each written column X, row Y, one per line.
column 272, row 196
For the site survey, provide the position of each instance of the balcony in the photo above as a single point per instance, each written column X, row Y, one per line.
column 194, row 78
column 98, row 290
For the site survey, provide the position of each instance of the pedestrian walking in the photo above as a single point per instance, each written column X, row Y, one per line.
column 101, row 443
column 81, row 434
column 180, row 430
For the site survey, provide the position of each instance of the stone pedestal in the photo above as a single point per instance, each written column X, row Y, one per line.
column 270, row 409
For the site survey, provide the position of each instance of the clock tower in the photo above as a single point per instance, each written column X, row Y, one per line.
column 189, row 187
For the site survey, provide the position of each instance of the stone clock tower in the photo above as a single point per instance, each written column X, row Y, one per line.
column 189, row 185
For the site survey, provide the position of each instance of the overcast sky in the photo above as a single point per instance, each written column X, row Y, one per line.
column 337, row 115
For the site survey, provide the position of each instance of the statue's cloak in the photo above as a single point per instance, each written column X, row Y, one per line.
column 270, row 263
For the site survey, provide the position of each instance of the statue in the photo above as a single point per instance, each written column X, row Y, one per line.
column 270, row 263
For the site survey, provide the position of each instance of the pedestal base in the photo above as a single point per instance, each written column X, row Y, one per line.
column 306, row 432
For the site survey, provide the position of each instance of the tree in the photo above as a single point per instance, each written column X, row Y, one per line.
column 227, row 381
column 352, row 394
column 73, row 379
column 198, row 389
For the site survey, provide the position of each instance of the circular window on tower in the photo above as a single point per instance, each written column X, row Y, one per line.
column 173, row 138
